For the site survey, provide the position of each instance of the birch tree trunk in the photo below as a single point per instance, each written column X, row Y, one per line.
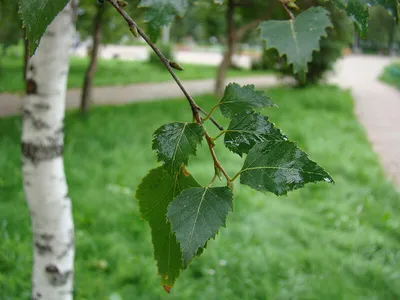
column 45, row 185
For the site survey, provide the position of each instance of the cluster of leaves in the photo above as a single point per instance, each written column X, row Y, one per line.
column 183, row 215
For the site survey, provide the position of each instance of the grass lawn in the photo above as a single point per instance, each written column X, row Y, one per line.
column 391, row 75
column 320, row 242
column 111, row 72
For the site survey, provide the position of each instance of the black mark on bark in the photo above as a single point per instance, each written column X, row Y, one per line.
column 43, row 248
column 36, row 122
column 56, row 277
column 31, row 87
column 27, row 114
column 41, row 106
column 37, row 296
column 38, row 153
column 46, row 236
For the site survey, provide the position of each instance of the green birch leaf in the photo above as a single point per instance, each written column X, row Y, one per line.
column 175, row 142
column 36, row 16
column 238, row 98
column 279, row 167
column 196, row 215
column 249, row 128
column 155, row 193
column 298, row 38
column 160, row 13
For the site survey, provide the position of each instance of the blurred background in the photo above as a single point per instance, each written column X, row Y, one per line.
column 321, row 242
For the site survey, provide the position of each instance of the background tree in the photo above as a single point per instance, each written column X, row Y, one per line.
column 202, row 21
column 93, row 56
column 97, row 24
column 241, row 17
column 383, row 32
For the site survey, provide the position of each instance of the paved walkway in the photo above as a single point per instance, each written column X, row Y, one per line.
column 10, row 104
column 377, row 107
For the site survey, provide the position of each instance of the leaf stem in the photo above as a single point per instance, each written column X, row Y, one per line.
column 195, row 108
column 219, row 135
column 211, row 111
column 212, row 180
column 291, row 15
column 217, row 164
column 211, row 118
column 236, row 176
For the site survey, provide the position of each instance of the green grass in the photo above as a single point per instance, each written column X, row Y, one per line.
column 391, row 75
column 111, row 72
column 320, row 242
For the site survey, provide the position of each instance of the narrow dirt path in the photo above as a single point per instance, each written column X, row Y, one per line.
column 11, row 104
column 377, row 106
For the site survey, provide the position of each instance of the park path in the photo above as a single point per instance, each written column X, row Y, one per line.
column 377, row 107
column 10, row 104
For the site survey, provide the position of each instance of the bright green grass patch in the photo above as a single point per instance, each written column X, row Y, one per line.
column 391, row 75
column 320, row 242
column 112, row 72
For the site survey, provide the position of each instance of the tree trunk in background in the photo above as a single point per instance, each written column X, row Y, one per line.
column 227, row 58
column 87, row 85
column 356, row 43
column 165, row 34
column 26, row 55
column 391, row 42
column 45, row 185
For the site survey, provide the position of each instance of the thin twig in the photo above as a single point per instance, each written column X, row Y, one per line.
column 195, row 108
column 211, row 111
column 217, row 164
column 163, row 59
column 211, row 118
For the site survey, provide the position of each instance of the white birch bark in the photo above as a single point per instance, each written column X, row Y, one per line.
column 45, row 185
